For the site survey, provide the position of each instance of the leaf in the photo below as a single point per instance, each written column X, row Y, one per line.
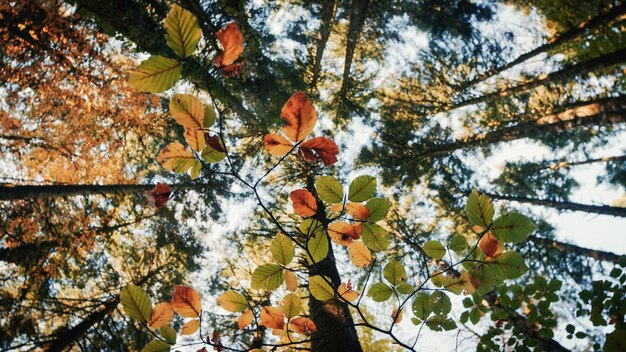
column 359, row 254
column 329, row 189
column 302, row 325
column 272, row 318
column 434, row 249
column 186, row 302
column 159, row 195
column 161, row 315
column 440, row 303
column 291, row 305
column 183, row 32
column 291, row 281
column 343, row 233
column 231, row 40
column 317, row 245
column 439, row 323
column 156, row 346
column 512, row 227
column 190, row 327
column 405, row 288
column 136, row 303
column 396, row 315
column 394, row 272
column 277, row 145
column 489, row 245
column 282, row 249
column 168, row 333
column 211, row 155
column 209, row 116
column 156, row 74
column 245, row 319
column 304, row 203
column 300, row 116
column 187, row 110
column 458, row 243
column 194, row 173
column 321, row 147
column 346, row 291
column 320, row 289
column 421, row 307
column 509, row 265
column 379, row 292
column 362, row 188
column 479, row 209
column 232, row 301
column 176, row 157
column 378, row 208
column 374, row 237
column 358, row 211
column 194, row 139
column 311, row 226
column 267, row 277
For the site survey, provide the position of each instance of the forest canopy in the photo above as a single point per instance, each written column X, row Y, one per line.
column 317, row 175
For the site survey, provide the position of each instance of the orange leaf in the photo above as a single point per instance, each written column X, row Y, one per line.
column 302, row 325
column 300, row 116
column 272, row 318
column 190, row 327
column 161, row 315
column 489, row 245
column 194, row 138
column 232, row 71
column 186, row 302
column 291, row 281
column 304, row 203
column 359, row 254
column 276, row 145
column 346, row 291
column 159, row 195
column 231, row 39
column 325, row 149
column 397, row 318
column 245, row 319
column 343, row 233
column 358, row 211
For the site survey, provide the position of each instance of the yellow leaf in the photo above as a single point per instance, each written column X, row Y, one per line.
column 302, row 325
column 346, row 291
column 359, row 254
column 187, row 110
column 176, row 157
column 194, row 138
column 190, row 327
column 232, row 301
column 397, row 318
column 291, row 281
column 183, row 32
column 276, row 145
column 156, row 74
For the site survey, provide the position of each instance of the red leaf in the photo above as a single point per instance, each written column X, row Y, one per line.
column 304, row 203
column 214, row 142
column 302, row 325
column 232, row 71
column 231, row 39
column 489, row 245
column 186, row 302
column 300, row 115
column 324, row 147
column 159, row 195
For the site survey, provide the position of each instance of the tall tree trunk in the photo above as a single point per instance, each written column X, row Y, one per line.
column 571, row 249
column 608, row 112
column 327, row 18
column 570, row 206
column 600, row 62
column 592, row 24
column 54, row 191
column 26, row 253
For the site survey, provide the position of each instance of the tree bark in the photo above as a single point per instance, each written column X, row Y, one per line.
column 567, row 248
column 571, row 206
column 358, row 15
column 592, row 24
column 327, row 18
column 54, row 191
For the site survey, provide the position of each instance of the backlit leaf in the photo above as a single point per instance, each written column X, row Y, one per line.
column 136, row 303
column 374, row 237
column 291, row 281
column 156, row 74
column 231, row 40
column 156, row 346
column 346, row 291
column 358, row 211
column 379, row 292
column 187, row 110
column 304, row 203
column 317, row 245
column 434, row 249
column 190, row 327
column 320, row 289
column 421, row 307
column 159, row 195
column 194, row 138
column 182, row 31
column 291, row 305
column 320, row 147
column 211, row 155
column 489, row 245
column 394, row 272
column 458, row 243
column 282, row 249
column 245, row 319
column 343, row 233
column 277, row 145
column 302, row 325
column 509, row 265
column 186, row 302
column 359, row 254
column 168, row 333
column 512, row 227
column 362, row 188
column 479, row 209
column 267, row 277
column 396, row 315
column 329, row 189
column 176, row 157
column 232, row 301
column 378, row 208
column 161, row 315
column 300, row 116
column 272, row 318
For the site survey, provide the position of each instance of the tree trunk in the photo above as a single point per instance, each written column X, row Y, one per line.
column 54, row 191
column 358, row 15
column 592, row 24
column 327, row 18
column 567, row 248
column 23, row 254
column 603, row 61
column 571, row 206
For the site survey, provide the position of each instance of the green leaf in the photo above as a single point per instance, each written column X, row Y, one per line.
column 374, row 236
column 209, row 116
column 421, row 307
column 509, row 265
column 291, row 305
column 195, row 169
column 362, row 188
column 211, row 155
column 232, row 301
column 168, row 333
column 434, row 249
column 512, row 227
column 156, row 346
column 318, row 247
column 474, row 315
column 458, row 243
column 156, row 74
column 310, row 227
column 440, row 303
column 394, row 272
column 136, row 303
column 378, row 208
column 283, row 249
column 379, row 292
column 183, row 32
column 479, row 209
column 329, row 189
column 320, row 289
column 267, row 277
column 440, row 323
column 405, row 288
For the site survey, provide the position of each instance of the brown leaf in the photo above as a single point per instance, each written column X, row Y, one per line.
column 272, row 318
column 276, row 145
column 232, row 71
column 343, row 233
column 231, row 39
column 300, row 116
column 358, row 211
column 302, row 325
column 489, row 245
column 291, row 281
column 397, row 318
column 346, row 291
column 190, row 327
column 186, row 302
column 321, row 147
column 215, row 142
column 304, row 203
column 161, row 315
column 159, row 195
column 245, row 319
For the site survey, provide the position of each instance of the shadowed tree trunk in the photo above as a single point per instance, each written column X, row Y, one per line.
column 571, row 206
column 567, row 248
column 327, row 18
column 358, row 14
